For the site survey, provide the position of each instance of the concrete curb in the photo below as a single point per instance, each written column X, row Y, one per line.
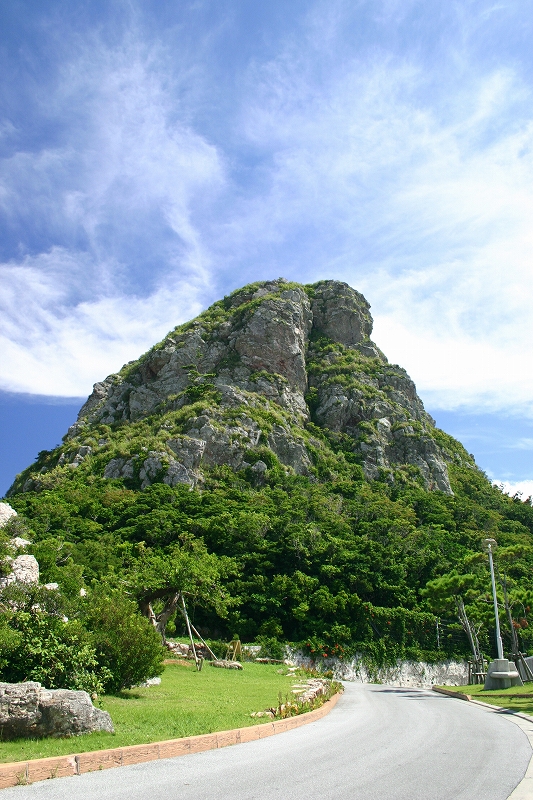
column 524, row 790
column 450, row 693
column 40, row 769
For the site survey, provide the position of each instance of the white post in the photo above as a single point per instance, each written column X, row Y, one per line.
column 499, row 644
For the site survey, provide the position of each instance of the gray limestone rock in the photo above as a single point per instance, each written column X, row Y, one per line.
column 254, row 354
column 6, row 512
column 75, row 458
column 24, row 569
column 152, row 468
column 342, row 314
column 289, row 450
column 29, row 710
column 275, row 337
column 120, row 467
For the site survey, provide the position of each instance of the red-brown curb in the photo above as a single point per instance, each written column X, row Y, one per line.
column 40, row 769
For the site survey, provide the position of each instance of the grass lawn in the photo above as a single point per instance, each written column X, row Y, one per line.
column 501, row 697
column 185, row 704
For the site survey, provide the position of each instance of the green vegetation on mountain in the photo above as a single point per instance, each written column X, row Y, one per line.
column 270, row 443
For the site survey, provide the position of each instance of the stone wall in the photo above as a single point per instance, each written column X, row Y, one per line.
column 403, row 673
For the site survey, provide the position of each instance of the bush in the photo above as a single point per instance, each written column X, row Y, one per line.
column 41, row 645
column 127, row 646
column 271, row 648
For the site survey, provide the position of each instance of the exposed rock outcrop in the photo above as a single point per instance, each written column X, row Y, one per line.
column 29, row 710
column 24, row 569
column 247, row 377
column 6, row 512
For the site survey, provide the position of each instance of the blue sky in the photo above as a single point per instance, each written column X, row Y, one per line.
column 155, row 156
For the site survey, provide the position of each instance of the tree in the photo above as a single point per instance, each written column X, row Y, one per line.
column 161, row 576
column 38, row 642
column 448, row 591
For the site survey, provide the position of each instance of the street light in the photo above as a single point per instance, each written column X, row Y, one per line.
column 489, row 545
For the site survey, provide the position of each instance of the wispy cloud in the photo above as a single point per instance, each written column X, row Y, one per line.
column 61, row 348
column 423, row 203
column 109, row 207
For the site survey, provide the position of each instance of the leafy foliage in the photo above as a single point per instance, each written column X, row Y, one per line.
column 343, row 560
column 128, row 649
column 42, row 645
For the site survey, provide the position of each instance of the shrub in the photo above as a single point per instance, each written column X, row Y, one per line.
column 271, row 648
column 126, row 644
column 41, row 645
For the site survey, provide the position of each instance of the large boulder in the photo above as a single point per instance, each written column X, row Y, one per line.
column 29, row 710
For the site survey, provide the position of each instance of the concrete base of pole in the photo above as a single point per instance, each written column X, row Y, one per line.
column 502, row 674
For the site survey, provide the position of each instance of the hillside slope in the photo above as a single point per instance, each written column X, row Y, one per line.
column 275, row 430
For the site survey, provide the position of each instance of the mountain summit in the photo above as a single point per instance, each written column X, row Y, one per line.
column 276, row 374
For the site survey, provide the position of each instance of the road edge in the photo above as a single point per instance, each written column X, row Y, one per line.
column 524, row 790
column 18, row 773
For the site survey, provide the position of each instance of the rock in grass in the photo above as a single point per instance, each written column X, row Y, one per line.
column 29, row 710
column 224, row 664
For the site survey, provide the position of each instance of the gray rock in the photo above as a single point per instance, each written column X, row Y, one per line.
column 188, row 451
column 24, row 569
column 151, row 469
column 275, row 337
column 18, row 543
column 289, row 450
column 6, row 513
column 29, row 710
column 225, row 664
column 342, row 314
column 177, row 473
column 255, row 352
column 151, row 682
column 74, row 459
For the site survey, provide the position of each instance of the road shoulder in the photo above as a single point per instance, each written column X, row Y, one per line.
column 524, row 790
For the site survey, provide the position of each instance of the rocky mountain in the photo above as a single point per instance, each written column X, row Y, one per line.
column 276, row 374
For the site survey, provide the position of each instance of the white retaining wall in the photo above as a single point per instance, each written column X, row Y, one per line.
column 403, row 673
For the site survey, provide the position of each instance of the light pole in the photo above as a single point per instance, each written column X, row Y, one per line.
column 489, row 545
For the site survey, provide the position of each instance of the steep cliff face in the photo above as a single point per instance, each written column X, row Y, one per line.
column 275, row 373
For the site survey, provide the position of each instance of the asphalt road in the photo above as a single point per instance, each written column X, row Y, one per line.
column 378, row 743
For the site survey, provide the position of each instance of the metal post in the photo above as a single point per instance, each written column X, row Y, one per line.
column 499, row 645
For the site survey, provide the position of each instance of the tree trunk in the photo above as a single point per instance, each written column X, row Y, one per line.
column 159, row 621
column 470, row 632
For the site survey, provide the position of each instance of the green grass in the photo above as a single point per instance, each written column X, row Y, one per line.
column 186, row 703
column 507, row 698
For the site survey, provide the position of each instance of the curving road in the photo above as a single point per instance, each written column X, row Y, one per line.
column 378, row 743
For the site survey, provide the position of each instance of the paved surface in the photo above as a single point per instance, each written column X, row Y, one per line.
column 378, row 743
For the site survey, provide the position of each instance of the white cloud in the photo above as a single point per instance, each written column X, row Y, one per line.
column 522, row 444
column 523, row 488
column 116, row 195
column 411, row 180
column 52, row 348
